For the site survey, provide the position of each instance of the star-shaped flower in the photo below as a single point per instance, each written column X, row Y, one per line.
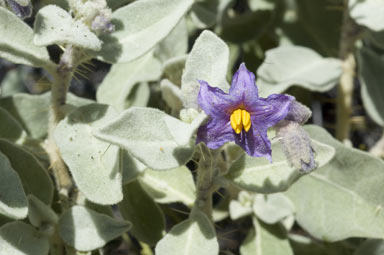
column 241, row 115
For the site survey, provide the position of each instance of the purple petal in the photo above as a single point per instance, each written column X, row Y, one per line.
column 269, row 111
column 214, row 101
column 255, row 142
column 243, row 88
column 215, row 133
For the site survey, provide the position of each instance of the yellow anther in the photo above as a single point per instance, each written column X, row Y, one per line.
column 239, row 119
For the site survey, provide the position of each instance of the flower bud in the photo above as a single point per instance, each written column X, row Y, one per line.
column 298, row 113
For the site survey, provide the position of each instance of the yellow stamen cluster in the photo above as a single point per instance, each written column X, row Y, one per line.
column 240, row 119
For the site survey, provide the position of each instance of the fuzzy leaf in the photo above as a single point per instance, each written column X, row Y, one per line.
column 54, row 25
column 190, row 237
column 16, row 42
column 39, row 214
column 10, row 129
column 273, row 208
column 343, row 198
column 87, row 230
column 288, row 66
column 371, row 247
column 140, row 26
column 367, row 13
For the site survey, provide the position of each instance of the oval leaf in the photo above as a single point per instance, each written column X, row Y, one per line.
column 10, row 128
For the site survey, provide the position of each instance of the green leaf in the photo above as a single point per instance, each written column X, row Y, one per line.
column 95, row 165
column 54, row 25
column 204, row 13
column 241, row 207
column 371, row 247
column 172, row 95
column 169, row 186
column 13, row 202
column 148, row 222
column 14, row 81
column 207, row 61
column 305, row 245
column 140, row 26
column 143, row 132
column 190, row 237
column 367, row 13
column 371, row 73
column 121, row 79
column 258, row 175
column 33, row 175
column 19, row 238
column 40, row 215
column 288, row 66
column 31, row 111
column 86, row 230
column 343, row 198
column 173, row 69
column 16, row 42
column 261, row 5
column 266, row 239
column 10, row 128
column 131, row 167
column 273, row 208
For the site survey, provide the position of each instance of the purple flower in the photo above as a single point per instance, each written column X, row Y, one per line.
column 241, row 115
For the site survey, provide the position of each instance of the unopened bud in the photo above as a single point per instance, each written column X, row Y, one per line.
column 298, row 112
column 102, row 24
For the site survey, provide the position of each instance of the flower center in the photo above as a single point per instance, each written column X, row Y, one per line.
column 240, row 118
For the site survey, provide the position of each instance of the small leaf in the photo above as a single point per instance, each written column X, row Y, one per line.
column 95, row 165
column 367, row 13
column 86, row 230
column 169, row 186
column 140, row 26
column 207, row 61
column 33, row 175
column 54, row 25
column 190, row 237
column 241, row 207
column 273, row 208
column 39, row 214
column 204, row 13
column 16, row 42
column 13, row 202
column 143, row 132
column 288, row 66
column 148, row 222
column 19, row 238
column 10, row 128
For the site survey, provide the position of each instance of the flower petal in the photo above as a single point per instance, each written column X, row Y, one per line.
column 214, row 101
column 215, row 133
column 243, row 88
column 269, row 111
column 255, row 142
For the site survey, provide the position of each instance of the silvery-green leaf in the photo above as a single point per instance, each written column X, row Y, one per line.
column 148, row 222
column 143, row 132
column 86, row 230
column 113, row 4
column 19, row 238
column 169, row 186
column 40, row 215
column 288, row 66
column 140, row 26
column 14, row 81
column 173, row 69
column 95, row 165
column 207, row 61
column 343, row 198
column 367, row 13
column 305, row 245
column 131, row 167
column 204, row 13
column 175, row 44
column 16, row 42
column 190, row 237
column 171, row 94
column 266, row 239
column 54, row 25
column 372, row 90
column 371, row 247
column 10, row 129
column 273, row 208
column 258, row 175
column 33, row 176
column 242, row 206
column 121, row 79
column 13, row 202
column 31, row 111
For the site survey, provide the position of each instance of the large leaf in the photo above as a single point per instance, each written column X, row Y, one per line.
column 54, row 25
column 190, row 237
column 13, row 202
column 10, row 128
column 343, row 198
column 367, row 13
column 87, row 230
column 258, row 175
column 19, row 238
column 16, row 42
column 34, row 177
column 145, row 134
column 148, row 222
column 140, row 26
column 273, row 208
column 121, row 79
column 95, row 165
column 174, row 185
column 287, row 66
column 371, row 68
